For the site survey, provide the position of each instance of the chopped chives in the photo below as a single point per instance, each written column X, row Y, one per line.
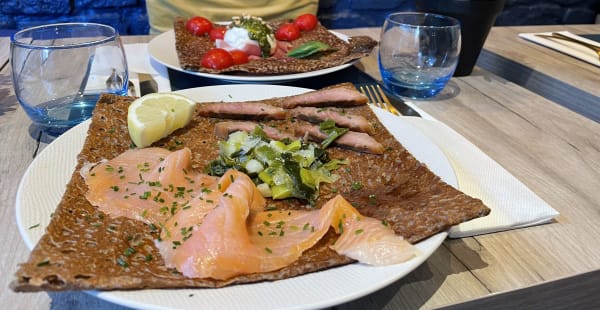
column 121, row 262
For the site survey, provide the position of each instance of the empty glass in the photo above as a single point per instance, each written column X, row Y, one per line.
column 60, row 70
column 418, row 53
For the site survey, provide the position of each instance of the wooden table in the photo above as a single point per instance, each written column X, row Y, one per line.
column 546, row 72
column 551, row 149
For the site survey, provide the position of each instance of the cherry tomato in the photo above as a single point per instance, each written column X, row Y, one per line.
column 217, row 33
column 217, row 58
column 198, row 25
column 306, row 22
column 287, row 32
column 239, row 57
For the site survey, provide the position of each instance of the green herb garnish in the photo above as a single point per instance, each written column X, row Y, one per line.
column 309, row 49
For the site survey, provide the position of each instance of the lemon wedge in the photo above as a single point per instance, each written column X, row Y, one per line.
column 155, row 116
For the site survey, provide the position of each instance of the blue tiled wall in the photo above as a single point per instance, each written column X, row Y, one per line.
column 548, row 12
column 361, row 13
column 129, row 16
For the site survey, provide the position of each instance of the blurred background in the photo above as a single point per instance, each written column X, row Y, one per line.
column 130, row 18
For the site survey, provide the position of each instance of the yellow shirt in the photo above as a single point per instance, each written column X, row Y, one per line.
column 162, row 13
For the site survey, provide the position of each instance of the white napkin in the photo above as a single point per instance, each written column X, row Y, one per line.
column 512, row 204
column 139, row 61
column 572, row 49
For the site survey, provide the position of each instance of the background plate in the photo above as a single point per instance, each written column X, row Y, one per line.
column 162, row 50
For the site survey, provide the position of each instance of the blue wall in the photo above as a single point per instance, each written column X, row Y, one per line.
column 129, row 16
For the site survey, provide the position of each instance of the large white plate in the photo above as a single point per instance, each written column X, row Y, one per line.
column 162, row 50
column 43, row 184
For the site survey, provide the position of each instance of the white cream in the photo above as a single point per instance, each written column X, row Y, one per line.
column 236, row 38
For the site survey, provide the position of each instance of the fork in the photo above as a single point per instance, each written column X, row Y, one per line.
column 378, row 98
column 114, row 80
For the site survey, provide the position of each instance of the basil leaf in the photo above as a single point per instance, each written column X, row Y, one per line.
column 310, row 48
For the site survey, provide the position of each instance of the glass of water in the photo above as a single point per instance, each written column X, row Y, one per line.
column 60, row 70
column 418, row 53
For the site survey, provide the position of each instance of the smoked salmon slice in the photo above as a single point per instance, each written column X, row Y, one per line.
column 219, row 228
column 148, row 184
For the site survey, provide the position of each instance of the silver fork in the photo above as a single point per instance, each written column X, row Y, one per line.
column 378, row 98
column 114, row 80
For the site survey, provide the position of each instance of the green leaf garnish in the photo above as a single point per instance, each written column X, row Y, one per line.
column 310, row 48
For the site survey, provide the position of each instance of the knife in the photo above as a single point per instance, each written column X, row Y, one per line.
column 147, row 84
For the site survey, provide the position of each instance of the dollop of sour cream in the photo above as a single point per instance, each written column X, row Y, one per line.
column 237, row 38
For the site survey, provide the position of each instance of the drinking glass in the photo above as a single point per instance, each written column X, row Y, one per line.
column 60, row 70
column 418, row 53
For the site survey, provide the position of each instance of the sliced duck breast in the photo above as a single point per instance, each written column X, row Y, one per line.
column 249, row 110
column 358, row 141
column 342, row 119
column 340, row 95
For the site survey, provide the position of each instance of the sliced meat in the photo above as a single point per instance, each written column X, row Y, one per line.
column 358, row 141
column 223, row 129
column 250, row 110
column 342, row 119
column 340, row 95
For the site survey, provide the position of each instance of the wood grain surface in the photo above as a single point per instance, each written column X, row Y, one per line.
column 555, row 76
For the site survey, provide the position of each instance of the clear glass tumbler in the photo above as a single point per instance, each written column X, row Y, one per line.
column 418, row 53
column 60, row 70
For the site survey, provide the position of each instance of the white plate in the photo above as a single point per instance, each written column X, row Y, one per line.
column 162, row 50
column 43, row 184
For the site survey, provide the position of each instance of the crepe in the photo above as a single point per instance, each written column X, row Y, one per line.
column 84, row 249
column 191, row 49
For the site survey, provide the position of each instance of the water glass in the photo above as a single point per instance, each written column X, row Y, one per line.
column 418, row 53
column 60, row 70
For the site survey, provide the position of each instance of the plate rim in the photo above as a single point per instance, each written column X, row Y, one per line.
column 117, row 297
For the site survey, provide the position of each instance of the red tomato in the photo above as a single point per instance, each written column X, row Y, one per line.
column 198, row 25
column 217, row 58
column 217, row 33
column 239, row 57
column 287, row 32
column 306, row 22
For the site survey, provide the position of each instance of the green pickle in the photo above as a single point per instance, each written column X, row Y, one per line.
column 281, row 169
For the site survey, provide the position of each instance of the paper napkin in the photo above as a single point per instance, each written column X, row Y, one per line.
column 512, row 204
column 139, row 61
column 573, row 49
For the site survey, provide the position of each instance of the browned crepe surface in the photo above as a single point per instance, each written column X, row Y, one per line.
column 86, row 249
column 191, row 49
